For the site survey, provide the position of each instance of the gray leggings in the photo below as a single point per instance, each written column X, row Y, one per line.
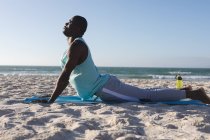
column 115, row 90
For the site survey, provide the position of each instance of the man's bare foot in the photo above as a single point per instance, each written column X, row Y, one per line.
column 198, row 94
column 187, row 88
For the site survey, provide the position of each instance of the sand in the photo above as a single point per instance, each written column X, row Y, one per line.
column 70, row 121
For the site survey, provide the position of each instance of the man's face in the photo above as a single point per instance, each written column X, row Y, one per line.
column 69, row 29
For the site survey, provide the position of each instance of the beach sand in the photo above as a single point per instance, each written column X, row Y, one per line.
column 70, row 121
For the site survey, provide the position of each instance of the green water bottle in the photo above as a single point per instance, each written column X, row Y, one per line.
column 179, row 82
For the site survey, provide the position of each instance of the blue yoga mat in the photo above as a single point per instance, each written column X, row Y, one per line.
column 183, row 102
column 77, row 99
column 62, row 99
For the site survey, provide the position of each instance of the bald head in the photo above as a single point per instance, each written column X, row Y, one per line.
column 76, row 27
column 81, row 22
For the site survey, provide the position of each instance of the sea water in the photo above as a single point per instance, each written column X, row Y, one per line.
column 121, row 72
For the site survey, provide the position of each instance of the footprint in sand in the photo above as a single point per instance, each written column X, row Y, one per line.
column 6, row 111
column 158, row 117
column 205, row 129
column 72, row 112
column 86, row 125
column 60, row 125
column 131, row 137
column 180, row 115
column 6, row 120
column 42, row 120
column 171, row 126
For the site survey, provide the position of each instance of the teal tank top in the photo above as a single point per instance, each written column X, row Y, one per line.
column 85, row 78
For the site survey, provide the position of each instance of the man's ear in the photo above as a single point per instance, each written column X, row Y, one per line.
column 79, row 30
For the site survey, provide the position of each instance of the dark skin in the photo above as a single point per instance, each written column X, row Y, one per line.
column 77, row 53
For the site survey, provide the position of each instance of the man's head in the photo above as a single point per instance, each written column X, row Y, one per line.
column 76, row 27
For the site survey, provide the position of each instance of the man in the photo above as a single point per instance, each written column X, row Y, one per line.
column 79, row 69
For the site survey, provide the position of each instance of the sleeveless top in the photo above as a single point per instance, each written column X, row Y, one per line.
column 85, row 78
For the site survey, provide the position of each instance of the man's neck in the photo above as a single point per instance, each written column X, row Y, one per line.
column 71, row 39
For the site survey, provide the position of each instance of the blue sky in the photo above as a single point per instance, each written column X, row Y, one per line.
column 136, row 33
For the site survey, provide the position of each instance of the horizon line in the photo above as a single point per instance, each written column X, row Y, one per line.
column 106, row 66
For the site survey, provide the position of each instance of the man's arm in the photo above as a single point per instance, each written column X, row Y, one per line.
column 74, row 54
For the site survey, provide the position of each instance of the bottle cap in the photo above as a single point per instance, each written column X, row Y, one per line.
column 179, row 77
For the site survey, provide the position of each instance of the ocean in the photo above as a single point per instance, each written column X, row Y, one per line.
column 121, row 72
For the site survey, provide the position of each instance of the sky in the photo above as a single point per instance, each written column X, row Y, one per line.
column 125, row 33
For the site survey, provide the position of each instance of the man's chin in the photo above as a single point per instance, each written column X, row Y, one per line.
column 67, row 35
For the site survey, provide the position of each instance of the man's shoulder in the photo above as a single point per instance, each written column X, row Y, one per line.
column 80, row 44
